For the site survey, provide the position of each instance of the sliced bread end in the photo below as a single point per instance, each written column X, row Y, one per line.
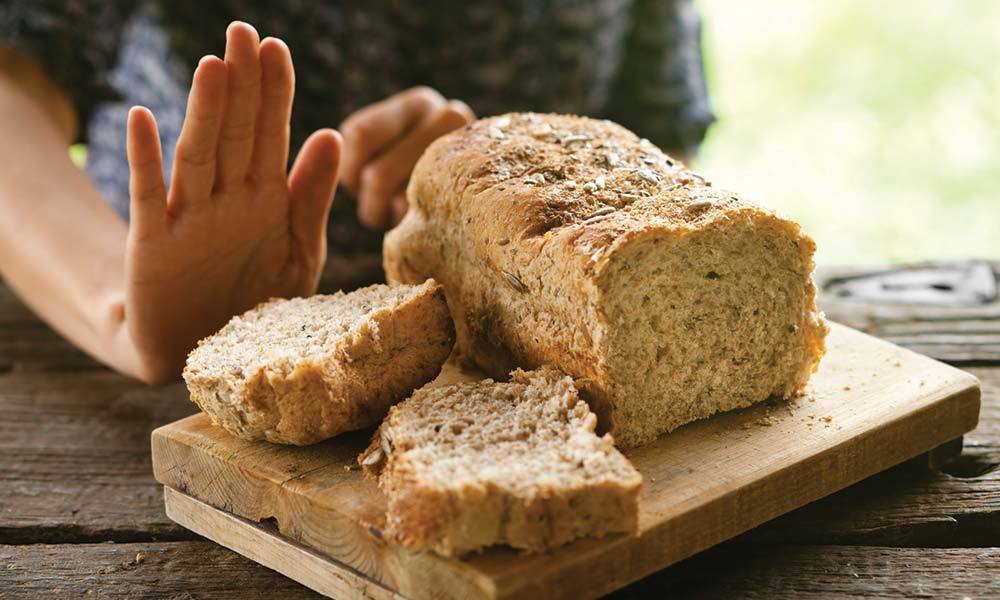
column 479, row 464
column 302, row 370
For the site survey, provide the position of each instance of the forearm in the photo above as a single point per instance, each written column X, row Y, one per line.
column 61, row 246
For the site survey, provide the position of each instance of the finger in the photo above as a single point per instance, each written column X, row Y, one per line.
column 399, row 206
column 195, row 157
column 148, row 192
column 311, row 184
column 369, row 130
column 388, row 174
column 236, row 137
column 270, row 158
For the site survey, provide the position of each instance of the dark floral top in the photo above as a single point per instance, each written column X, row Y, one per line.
column 637, row 62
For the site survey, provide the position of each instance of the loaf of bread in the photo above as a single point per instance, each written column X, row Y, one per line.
column 571, row 242
column 302, row 370
column 471, row 465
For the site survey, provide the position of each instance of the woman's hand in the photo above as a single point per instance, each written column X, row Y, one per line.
column 235, row 228
column 382, row 143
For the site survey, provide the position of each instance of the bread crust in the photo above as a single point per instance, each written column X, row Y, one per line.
column 351, row 386
column 521, row 217
column 458, row 517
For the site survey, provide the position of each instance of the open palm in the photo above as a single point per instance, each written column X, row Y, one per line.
column 235, row 228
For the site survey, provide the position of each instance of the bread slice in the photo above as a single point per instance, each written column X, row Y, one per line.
column 570, row 242
column 302, row 370
column 471, row 465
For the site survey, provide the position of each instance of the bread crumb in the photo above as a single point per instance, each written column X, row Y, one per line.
column 847, row 388
column 139, row 558
column 897, row 364
column 827, row 418
column 347, row 467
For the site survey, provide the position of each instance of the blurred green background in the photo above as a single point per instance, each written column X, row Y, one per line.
column 874, row 124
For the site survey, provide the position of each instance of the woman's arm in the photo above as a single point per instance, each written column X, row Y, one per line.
column 61, row 245
column 235, row 227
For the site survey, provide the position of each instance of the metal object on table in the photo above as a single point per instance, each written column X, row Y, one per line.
column 968, row 283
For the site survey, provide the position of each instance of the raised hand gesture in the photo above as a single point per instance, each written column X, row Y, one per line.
column 236, row 227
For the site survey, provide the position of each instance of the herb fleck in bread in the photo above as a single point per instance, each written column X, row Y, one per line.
column 471, row 465
column 302, row 370
column 569, row 241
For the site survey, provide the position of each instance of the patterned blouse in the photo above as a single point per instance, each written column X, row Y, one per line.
column 637, row 62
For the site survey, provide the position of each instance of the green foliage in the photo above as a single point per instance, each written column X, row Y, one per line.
column 875, row 124
column 78, row 154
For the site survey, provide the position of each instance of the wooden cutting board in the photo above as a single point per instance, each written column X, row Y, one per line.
column 870, row 406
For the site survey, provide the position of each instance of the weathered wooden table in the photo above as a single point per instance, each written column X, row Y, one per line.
column 81, row 516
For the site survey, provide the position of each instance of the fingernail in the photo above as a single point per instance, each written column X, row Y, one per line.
column 235, row 24
column 274, row 40
column 206, row 58
column 333, row 133
column 462, row 107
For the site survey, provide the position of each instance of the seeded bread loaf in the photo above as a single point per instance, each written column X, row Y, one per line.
column 569, row 241
column 472, row 465
column 302, row 370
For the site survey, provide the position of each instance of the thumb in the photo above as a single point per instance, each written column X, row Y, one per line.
column 311, row 185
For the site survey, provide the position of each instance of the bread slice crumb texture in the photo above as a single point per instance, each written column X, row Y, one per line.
column 279, row 334
column 301, row 370
column 477, row 464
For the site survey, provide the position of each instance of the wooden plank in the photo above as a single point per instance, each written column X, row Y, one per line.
column 742, row 570
column 736, row 569
column 956, row 505
column 961, row 333
column 908, row 506
column 204, row 570
column 75, row 460
column 872, row 405
column 34, row 347
column 176, row 570
column 986, row 437
column 63, row 436
column 261, row 544
column 28, row 344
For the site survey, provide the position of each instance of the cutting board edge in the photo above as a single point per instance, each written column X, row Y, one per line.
column 961, row 395
column 664, row 533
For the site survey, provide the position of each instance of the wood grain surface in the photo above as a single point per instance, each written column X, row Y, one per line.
column 752, row 570
column 965, row 333
column 870, row 406
column 190, row 570
column 917, row 532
